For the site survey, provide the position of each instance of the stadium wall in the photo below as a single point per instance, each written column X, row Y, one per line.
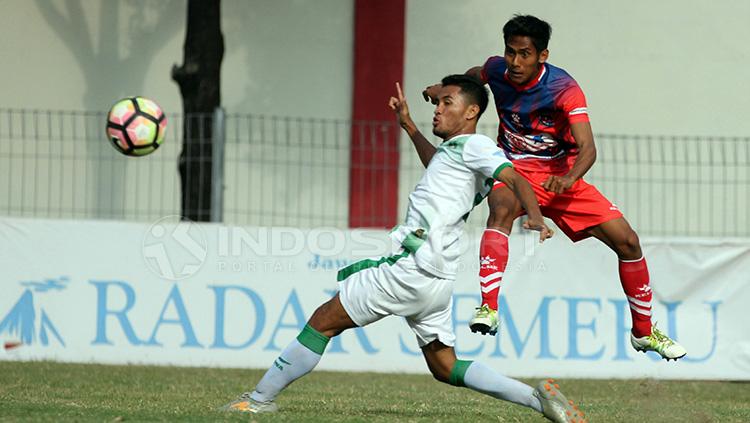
column 211, row 295
column 645, row 68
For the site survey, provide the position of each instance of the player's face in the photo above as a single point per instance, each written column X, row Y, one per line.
column 449, row 118
column 523, row 59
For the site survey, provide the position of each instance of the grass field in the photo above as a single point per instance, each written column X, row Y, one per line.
column 45, row 391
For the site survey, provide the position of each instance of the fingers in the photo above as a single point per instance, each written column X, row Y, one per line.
column 547, row 184
column 545, row 233
column 393, row 103
column 396, row 103
column 557, row 184
column 553, row 184
column 430, row 94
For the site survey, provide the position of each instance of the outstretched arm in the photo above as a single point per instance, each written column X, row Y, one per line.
column 424, row 148
column 530, row 203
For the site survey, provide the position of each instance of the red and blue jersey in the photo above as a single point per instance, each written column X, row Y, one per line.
column 535, row 119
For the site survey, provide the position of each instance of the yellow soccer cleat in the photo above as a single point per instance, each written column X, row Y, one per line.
column 659, row 342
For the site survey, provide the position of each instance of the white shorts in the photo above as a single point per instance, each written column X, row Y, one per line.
column 376, row 288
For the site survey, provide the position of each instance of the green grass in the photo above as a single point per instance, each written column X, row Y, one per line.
column 43, row 391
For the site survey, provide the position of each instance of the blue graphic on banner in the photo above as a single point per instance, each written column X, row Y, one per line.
column 585, row 340
column 20, row 322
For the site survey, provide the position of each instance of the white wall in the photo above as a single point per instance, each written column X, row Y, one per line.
column 287, row 58
column 282, row 58
column 669, row 67
column 86, row 54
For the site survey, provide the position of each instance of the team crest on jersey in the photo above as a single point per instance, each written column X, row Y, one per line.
column 546, row 120
column 515, row 118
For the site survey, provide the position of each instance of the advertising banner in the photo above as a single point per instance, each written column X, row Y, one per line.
column 178, row 293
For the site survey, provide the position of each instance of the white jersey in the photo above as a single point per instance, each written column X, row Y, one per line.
column 459, row 176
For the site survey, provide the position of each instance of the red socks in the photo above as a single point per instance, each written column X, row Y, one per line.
column 493, row 257
column 635, row 282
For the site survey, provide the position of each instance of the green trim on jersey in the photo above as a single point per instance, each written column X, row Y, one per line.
column 458, row 372
column 413, row 241
column 478, row 197
column 313, row 340
column 455, row 147
column 500, row 168
column 457, row 142
column 368, row 263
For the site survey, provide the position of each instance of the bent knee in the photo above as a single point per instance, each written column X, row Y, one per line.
column 502, row 217
column 441, row 376
column 327, row 319
column 629, row 247
column 454, row 375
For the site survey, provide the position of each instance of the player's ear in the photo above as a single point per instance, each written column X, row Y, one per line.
column 472, row 112
column 543, row 56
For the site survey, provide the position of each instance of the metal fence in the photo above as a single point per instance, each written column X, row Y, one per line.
column 280, row 171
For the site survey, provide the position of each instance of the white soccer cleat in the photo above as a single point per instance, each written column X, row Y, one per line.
column 554, row 404
column 245, row 404
column 484, row 321
column 659, row 342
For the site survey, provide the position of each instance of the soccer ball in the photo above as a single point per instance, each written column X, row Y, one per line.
column 136, row 126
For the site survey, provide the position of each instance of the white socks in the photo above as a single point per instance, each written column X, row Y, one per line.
column 304, row 353
column 488, row 381
column 297, row 360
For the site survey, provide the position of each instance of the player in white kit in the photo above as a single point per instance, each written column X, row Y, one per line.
column 417, row 281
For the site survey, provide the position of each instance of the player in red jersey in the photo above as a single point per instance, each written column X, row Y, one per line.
column 545, row 131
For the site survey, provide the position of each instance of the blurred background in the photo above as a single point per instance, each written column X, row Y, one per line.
column 306, row 138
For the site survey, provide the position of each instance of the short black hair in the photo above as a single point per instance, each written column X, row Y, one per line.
column 471, row 88
column 528, row 26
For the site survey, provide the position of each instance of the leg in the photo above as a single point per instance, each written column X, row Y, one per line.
column 298, row 359
column 504, row 208
column 493, row 256
column 361, row 298
column 622, row 239
column 330, row 319
column 634, row 278
column 546, row 399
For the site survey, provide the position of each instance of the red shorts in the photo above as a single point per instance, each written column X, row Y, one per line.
column 581, row 207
